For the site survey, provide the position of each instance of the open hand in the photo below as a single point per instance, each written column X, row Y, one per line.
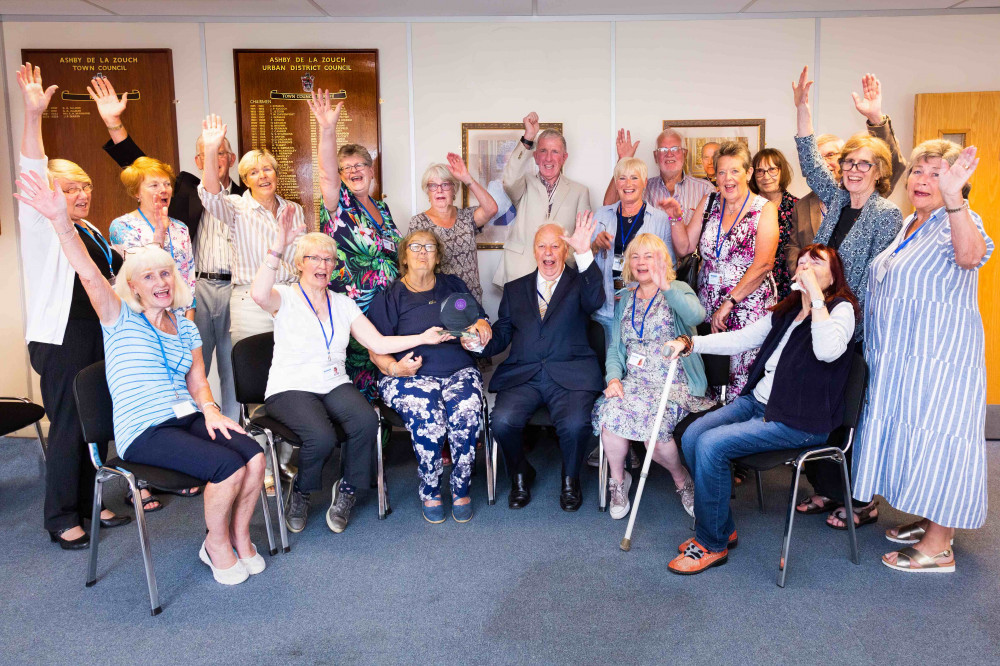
column 213, row 132
column 659, row 273
column 952, row 178
column 531, row 126
column 614, row 389
column 216, row 421
column 672, row 207
column 36, row 193
column 326, row 115
column 36, row 98
column 585, row 225
column 869, row 103
column 161, row 223
column 624, row 145
column 108, row 105
column 288, row 230
column 800, row 92
column 456, row 167
column 435, row 335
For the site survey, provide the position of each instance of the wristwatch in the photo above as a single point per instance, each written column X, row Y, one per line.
column 527, row 144
column 817, row 303
column 212, row 404
column 730, row 299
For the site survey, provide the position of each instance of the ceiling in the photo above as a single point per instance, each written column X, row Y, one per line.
column 465, row 8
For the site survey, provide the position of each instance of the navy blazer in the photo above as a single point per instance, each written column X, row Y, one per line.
column 558, row 342
column 185, row 204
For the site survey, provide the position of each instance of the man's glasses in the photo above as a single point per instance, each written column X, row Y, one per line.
column 672, row 150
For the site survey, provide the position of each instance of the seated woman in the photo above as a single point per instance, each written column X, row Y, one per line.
column 437, row 390
column 657, row 310
column 794, row 396
column 164, row 414
column 308, row 388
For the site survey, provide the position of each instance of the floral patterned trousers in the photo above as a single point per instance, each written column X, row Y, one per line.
column 433, row 408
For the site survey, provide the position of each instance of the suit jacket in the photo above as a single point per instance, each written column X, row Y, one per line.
column 185, row 205
column 531, row 200
column 558, row 342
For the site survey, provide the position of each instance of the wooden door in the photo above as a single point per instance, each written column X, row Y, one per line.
column 970, row 119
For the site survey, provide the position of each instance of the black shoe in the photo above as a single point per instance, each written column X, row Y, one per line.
column 520, row 488
column 117, row 521
column 571, row 496
column 70, row 544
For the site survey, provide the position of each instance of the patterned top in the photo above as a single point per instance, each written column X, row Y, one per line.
column 921, row 443
column 133, row 230
column 786, row 229
column 145, row 380
column 689, row 192
column 459, row 242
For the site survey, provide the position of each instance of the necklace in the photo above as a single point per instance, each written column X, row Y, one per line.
column 418, row 292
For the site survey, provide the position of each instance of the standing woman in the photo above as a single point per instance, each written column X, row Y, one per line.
column 63, row 332
column 737, row 240
column 771, row 177
column 922, row 444
column 455, row 227
column 367, row 239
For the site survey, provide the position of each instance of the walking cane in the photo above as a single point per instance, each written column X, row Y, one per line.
column 650, row 447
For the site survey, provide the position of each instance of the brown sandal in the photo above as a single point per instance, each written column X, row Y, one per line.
column 864, row 517
column 814, row 508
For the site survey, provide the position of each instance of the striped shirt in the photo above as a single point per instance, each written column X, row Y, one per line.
column 689, row 192
column 143, row 389
column 252, row 230
column 132, row 230
column 212, row 251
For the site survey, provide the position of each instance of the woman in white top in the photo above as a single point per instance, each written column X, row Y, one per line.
column 62, row 329
column 308, row 388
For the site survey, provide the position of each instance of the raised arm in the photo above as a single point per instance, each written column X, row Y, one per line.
column 327, row 118
column 213, row 133
column 869, row 105
column 35, row 192
column 625, row 148
column 966, row 237
column 36, row 100
column 515, row 172
column 487, row 204
column 109, row 106
column 262, row 290
column 814, row 168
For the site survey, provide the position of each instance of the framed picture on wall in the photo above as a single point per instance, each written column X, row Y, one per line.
column 485, row 149
column 698, row 133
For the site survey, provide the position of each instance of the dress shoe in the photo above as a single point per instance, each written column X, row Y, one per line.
column 117, row 521
column 571, row 496
column 520, row 488
column 78, row 543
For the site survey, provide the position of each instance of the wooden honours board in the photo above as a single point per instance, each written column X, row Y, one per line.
column 73, row 130
column 271, row 92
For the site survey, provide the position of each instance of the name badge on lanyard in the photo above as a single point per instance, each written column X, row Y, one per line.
column 618, row 264
column 884, row 266
column 715, row 279
column 636, row 360
column 182, row 407
column 387, row 245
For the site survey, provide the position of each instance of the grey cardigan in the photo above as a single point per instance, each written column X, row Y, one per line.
column 879, row 222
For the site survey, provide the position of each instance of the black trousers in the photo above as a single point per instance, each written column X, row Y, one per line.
column 69, row 474
column 312, row 416
column 570, row 411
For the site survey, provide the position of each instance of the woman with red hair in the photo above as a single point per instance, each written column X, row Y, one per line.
column 793, row 398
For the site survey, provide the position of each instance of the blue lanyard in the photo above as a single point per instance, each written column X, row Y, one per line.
column 166, row 363
column 169, row 237
column 910, row 237
column 364, row 211
column 635, row 297
column 102, row 245
column 718, row 246
column 329, row 312
column 636, row 223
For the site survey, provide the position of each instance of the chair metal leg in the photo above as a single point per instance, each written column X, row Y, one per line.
column 278, row 498
column 849, row 508
column 147, row 555
column 787, row 539
column 267, row 522
column 95, row 528
column 496, row 470
column 41, row 439
column 602, row 475
column 760, row 491
column 383, row 499
column 491, row 486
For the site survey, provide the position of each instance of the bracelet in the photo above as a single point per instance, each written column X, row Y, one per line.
column 965, row 205
column 211, row 403
column 67, row 232
column 688, row 344
column 276, row 255
column 392, row 372
column 273, row 268
column 115, row 128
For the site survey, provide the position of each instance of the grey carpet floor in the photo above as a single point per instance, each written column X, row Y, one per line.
column 532, row 586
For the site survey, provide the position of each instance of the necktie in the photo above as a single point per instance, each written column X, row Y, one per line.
column 543, row 299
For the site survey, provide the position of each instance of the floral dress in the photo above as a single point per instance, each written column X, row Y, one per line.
column 786, row 228
column 459, row 241
column 725, row 259
column 632, row 417
column 133, row 230
column 367, row 262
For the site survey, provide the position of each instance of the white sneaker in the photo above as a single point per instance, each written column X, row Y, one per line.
column 620, row 505
column 234, row 575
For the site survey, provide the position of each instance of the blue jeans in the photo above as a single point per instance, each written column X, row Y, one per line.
column 738, row 429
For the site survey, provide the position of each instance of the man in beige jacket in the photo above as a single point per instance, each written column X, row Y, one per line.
column 543, row 198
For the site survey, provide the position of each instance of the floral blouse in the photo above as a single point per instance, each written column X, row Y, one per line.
column 786, row 228
column 133, row 230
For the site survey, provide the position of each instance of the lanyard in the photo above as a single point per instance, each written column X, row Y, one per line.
column 635, row 297
column 364, row 211
column 636, row 223
column 329, row 311
column 102, row 245
column 166, row 363
column 169, row 237
column 910, row 237
column 718, row 246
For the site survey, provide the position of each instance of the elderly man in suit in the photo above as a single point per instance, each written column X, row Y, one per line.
column 548, row 197
column 543, row 316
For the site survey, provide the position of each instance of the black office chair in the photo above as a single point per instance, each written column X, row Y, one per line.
column 17, row 413
column 93, row 402
column 542, row 417
column 854, row 399
column 251, row 366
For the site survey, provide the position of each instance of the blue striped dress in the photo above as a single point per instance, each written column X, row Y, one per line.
column 143, row 388
column 922, row 442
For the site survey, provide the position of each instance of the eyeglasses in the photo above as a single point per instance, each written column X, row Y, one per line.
column 139, row 248
column 672, row 150
column 440, row 187
column 830, row 154
column 222, row 154
column 426, row 247
column 770, row 171
column 312, row 258
column 350, row 168
column 861, row 165
column 76, row 189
